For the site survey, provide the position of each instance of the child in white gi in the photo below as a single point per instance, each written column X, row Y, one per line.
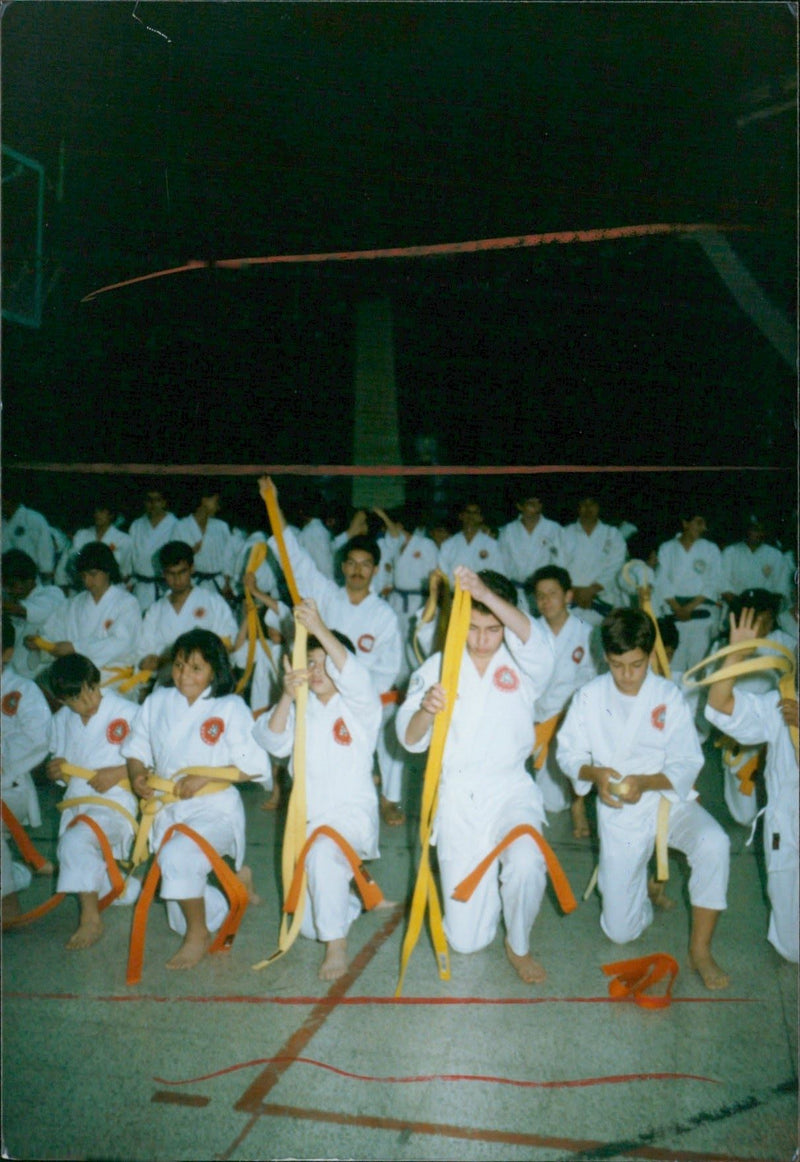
column 103, row 530
column 197, row 721
column 687, row 584
column 570, row 641
column 25, row 722
column 485, row 789
column 88, row 731
column 529, row 543
column 752, row 719
column 629, row 733
column 210, row 538
column 343, row 718
column 29, row 604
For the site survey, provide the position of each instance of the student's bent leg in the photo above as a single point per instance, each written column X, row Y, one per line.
column 523, row 877
column 331, row 906
column 391, row 760
column 622, row 880
column 82, row 871
column 782, row 888
column 707, row 848
column 184, row 871
column 472, row 924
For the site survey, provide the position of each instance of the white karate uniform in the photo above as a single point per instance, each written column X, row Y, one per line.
column 482, row 552
column 146, row 542
column 650, row 733
column 202, row 609
column 318, row 543
column 25, row 719
column 168, row 735
column 594, row 559
column 93, row 744
column 118, row 542
column 413, row 561
column 28, row 530
column 690, row 573
column 757, row 719
column 373, row 628
column 341, row 736
column 524, row 552
column 39, row 604
column 762, row 568
column 212, row 559
column 106, row 631
column 266, row 579
column 266, row 683
column 574, row 667
column 485, row 789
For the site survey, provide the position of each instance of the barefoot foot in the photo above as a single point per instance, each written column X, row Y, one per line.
column 274, row 801
column 246, row 876
column 46, row 869
column 712, row 976
column 392, row 813
column 335, row 963
column 85, row 935
column 580, row 824
column 191, row 952
column 658, row 896
column 528, row 969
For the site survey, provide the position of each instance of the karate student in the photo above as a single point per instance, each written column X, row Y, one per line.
column 593, row 553
column 485, row 789
column 210, row 539
column 103, row 530
column 570, row 642
column 629, row 734
column 413, row 556
column 473, row 546
column 24, row 528
column 343, row 718
column 765, row 718
column 687, row 584
column 197, row 721
column 103, row 622
column 25, row 720
column 753, row 564
column 529, row 542
column 148, row 534
column 88, row 731
column 372, row 625
column 184, row 607
column 29, row 604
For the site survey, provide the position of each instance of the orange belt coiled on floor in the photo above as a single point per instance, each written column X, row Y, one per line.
column 632, row 979
column 560, row 883
column 232, row 885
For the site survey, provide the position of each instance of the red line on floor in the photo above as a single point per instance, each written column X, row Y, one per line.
column 334, row 1001
column 478, row 1134
column 168, row 1097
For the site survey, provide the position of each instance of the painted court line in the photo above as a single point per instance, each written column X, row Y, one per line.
column 335, row 1001
column 168, row 1097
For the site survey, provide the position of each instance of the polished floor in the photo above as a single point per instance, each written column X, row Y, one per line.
column 223, row 1062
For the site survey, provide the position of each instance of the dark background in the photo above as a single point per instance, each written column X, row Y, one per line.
column 273, row 128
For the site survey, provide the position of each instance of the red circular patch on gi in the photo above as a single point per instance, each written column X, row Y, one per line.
column 577, row 654
column 118, row 730
column 366, row 642
column 340, row 733
column 659, row 716
column 10, row 703
column 506, row 680
column 212, row 730
column 108, row 624
column 200, row 612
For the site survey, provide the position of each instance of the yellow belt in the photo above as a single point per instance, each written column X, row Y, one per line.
column 166, row 792
column 661, row 663
column 255, row 630
column 41, row 643
column 128, row 677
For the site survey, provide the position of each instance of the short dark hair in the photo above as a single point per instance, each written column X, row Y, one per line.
column 174, row 553
column 9, row 633
column 550, row 573
column 19, row 566
column 363, row 544
column 500, row 585
column 627, row 629
column 314, row 643
column 212, row 650
column 68, row 675
column 96, row 555
column 759, row 600
column 668, row 628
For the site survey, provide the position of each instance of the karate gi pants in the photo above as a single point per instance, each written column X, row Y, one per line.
column 331, row 905
column 391, row 756
column 185, row 870
column 81, row 864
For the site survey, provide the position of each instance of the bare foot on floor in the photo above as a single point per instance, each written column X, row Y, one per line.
column 191, row 952
column 85, row 935
column 386, row 904
column 274, row 801
column 712, row 976
column 246, row 876
column 392, row 813
column 658, row 896
column 335, row 963
column 528, row 969
column 46, row 869
column 580, row 824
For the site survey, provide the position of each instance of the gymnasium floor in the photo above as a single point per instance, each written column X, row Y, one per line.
column 226, row 1063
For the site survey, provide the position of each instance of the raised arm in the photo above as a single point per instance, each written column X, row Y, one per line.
column 720, row 694
column 512, row 617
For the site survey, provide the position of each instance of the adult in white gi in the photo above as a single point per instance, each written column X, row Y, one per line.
column 25, row 721
column 88, row 731
column 687, row 584
column 413, row 557
column 753, row 564
column 210, row 539
column 473, row 546
column 529, row 542
column 148, row 533
column 103, row 622
column 766, row 718
column 29, row 604
column 593, row 553
column 372, row 625
column 315, row 538
column 196, row 722
column 24, row 528
column 343, row 717
column 629, row 733
column 485, row 790
column 184, row 607
column 571, row 645
column 105, row 531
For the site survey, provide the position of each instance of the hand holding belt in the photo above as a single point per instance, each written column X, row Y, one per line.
column 128, row 677
column 41, row 643
column 166, row 792
column 71, row 771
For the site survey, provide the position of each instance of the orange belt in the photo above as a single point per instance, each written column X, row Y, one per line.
column 558, row 878
column 369, row 891
column 234, row 889
column 633, row 977
column 390, row 696
column 545, row 732
column 748, row 770
column 21, row 838
column 117, row 882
